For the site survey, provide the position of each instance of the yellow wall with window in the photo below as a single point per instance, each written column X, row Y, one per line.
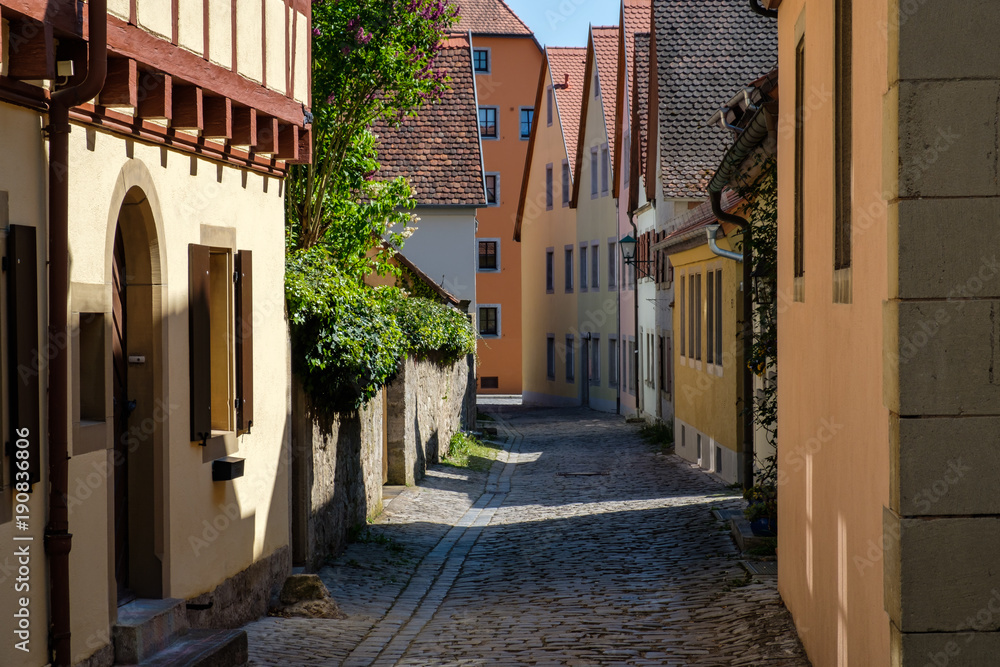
column 706, row 392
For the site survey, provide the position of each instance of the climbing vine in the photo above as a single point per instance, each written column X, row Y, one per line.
column 760, row 191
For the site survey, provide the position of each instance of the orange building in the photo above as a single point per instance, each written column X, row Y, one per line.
column 507, row 60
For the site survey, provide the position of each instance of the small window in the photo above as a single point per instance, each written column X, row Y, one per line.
column 550, row 357
column 613, row 362
column 565, row 183
column 489, row 382
column 612, row 264
column 593, row 172
column 570, row 361
column 488, row 123
column 569, row 269
column 583, row 268
column 696, row 316
column 488, row 256
column 527, row 117
column 680, row 300
column 710, row 317
column 597, row 84
column 718, row 316
column 489, row 321
column 595, row 266
column 604, row 169
column 548, row 106
column 549, row 271
column 595, row 360
column 548, row 187
column 492, row 189
column 481, row 60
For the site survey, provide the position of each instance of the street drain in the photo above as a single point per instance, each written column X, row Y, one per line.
column 580, row 474
column 761, row 568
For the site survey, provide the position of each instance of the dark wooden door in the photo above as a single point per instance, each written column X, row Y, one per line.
column 121, row 420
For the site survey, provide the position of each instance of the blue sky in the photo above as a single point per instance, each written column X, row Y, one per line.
column 564, row 22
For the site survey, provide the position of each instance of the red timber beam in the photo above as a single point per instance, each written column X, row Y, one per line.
column 189, row 110
column 218, row 118
column 121, row 86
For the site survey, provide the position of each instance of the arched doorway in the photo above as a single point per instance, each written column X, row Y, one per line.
column 140, row 416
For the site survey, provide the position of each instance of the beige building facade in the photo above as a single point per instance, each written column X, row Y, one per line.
column 177, row 485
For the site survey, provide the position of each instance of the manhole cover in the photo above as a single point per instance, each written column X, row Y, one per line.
column 767, row 568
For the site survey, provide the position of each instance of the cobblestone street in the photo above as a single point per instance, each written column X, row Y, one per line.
column 582, row 546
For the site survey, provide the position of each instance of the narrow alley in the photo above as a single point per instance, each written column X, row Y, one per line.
column 582, row 545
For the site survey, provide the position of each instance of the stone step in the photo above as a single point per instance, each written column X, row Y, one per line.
column 204, row 648
column 146, row 627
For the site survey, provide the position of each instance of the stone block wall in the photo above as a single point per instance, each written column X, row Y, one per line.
column 337, row 461
column 336, row 476
column 427, row 403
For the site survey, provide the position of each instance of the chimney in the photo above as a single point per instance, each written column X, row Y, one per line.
column 565, row 80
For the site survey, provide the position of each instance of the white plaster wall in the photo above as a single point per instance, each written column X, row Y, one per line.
column 275, row 17
column 155, row 16
column 220, row 32
column 303, row 38
column 249, row 22
column 191, row 25
column 444, row 247
column 119, row 8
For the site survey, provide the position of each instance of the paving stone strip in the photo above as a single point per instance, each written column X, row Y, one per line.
column 389, row 639
column 601, row 550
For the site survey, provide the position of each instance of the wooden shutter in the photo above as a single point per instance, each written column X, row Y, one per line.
column 200, row 342
column 244, row 340
column 23, row 354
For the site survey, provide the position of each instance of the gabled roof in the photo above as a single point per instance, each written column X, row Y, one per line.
column 439, row 149
column 568, row 65
column 640, row 116
column 602, row 53
column 563, row 66
column 606, row 52
column 489, row 17
column 703, row 47
column 635, row 18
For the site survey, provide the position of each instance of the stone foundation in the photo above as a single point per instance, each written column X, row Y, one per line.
column 243, row 597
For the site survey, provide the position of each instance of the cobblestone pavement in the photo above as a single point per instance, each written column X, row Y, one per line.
column 582, row 546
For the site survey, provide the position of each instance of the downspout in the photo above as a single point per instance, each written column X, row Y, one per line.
column 635, row 322
column 58, row 539
column 714, row 247
column 618, row 380
column 748, row 430
column 758, row 9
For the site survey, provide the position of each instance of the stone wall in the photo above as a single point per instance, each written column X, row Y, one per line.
column 337, row 462
column 336, row 476
column 427, row 403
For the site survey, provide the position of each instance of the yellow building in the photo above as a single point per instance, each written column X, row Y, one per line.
column 598, row 263
column 707, row 363
column 546, row 230
column 152, row 460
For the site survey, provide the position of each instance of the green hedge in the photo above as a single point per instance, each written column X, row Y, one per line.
column 348, row 339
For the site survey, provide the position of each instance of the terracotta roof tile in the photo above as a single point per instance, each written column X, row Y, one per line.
column 438, row 151
column 568, row 65
column 489, row 17
column 636, row 20
column 606, row 52
column 706, row 50
column 641, row 88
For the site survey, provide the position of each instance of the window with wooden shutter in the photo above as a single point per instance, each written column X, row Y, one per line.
column 23, row 359
column 200, row 341
column 244, row 340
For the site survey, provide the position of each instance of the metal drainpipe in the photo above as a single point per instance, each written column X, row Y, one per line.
column 748, row 429
column 712, row 230
column 58, row 539
column 635, row 323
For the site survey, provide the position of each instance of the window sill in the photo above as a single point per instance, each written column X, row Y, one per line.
column 487, row 270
